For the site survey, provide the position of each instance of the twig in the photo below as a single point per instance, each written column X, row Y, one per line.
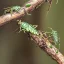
column 43, row 42
column 7, row 18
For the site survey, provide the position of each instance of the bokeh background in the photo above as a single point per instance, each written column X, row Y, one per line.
column 17, row 48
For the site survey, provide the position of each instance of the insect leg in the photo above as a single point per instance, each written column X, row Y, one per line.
column 20, row 29
column 26, row 12
column 59, row 43
column 57, row 2
column 50, row 2
column 35, row 26
column 57, row 49
column 5, row 11
column 11, row 11
column 23, row 30
column 7, row 8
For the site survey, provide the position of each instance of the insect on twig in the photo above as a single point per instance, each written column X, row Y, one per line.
column 56, row 39
column 26, row 27
column 15, row 9
column 12, row 9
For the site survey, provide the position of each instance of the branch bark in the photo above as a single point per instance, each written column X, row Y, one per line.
column 43, row 42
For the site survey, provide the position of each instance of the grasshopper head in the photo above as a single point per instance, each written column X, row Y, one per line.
column 19, row 21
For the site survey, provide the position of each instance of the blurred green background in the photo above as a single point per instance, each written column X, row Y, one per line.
column 17, row 48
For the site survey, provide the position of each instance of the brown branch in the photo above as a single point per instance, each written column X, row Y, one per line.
column 7, row 18
column 43, row 42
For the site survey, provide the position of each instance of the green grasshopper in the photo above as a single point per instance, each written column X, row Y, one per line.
column 55, row 37
column 26, row 27
column 12, row 9
column 15, row 9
